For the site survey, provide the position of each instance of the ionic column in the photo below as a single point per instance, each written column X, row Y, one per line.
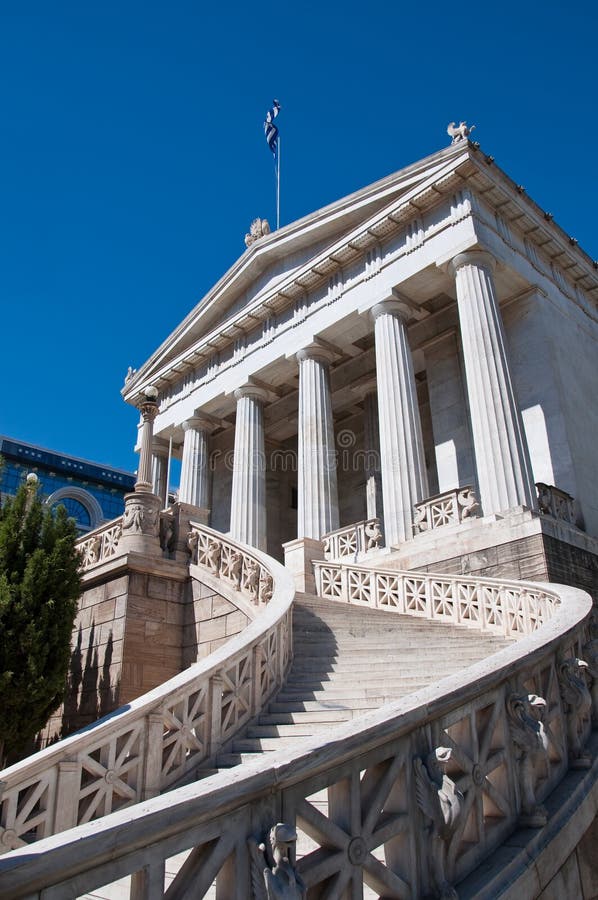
column 402, row 462
column 149, row 410
column 248, row 501
column 502, row 459
column 371, row 433
column 160, row 472
column 195, row 474
column 317, row 511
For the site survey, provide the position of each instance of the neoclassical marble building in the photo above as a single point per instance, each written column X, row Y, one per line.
column 433, row 331
column 397, row 395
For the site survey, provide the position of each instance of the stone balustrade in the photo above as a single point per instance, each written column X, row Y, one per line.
column 552, row 501
column 418, row 792
column 161, row 737
column 354, row 540
column 100, row 545
column 505, row 607
column 449, row 508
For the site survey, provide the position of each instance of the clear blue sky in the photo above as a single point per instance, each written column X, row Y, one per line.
column 132, row 158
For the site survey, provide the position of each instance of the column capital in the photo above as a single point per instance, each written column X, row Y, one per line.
column 199, row 423
column 251, row 390
column 316, row 351
column 481, row 258
column 159, row 447
column 390, row 307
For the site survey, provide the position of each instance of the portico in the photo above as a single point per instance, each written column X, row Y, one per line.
column 379, row 358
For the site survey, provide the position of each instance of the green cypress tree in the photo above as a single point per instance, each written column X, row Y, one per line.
column 39, row 589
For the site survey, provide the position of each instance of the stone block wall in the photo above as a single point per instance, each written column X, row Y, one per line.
column 139, row 624
column 210, row 621
column 94, row 679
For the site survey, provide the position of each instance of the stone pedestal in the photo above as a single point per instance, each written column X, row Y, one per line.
column 141, row 524
column 195, row 472
column 184, row 513
column 298, row 558
column 248, row 500
column 317, row 511
column 404, row 480
column 502, row 460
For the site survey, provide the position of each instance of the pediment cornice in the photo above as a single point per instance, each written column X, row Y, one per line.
column 408, row 193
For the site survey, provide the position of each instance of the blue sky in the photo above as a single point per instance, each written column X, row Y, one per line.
column 132, row 159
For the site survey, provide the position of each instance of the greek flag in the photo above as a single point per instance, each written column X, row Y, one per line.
column 270, row 129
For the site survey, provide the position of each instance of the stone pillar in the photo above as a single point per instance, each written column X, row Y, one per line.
column 195, row 472
column 149, row 410
column 248, row 501
column 141, row 518
column 501, row 454
column 371, row 434
column 317, row 511
column 404, row 481
column 160, row 472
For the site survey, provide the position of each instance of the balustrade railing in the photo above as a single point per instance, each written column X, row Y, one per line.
column 448, row 508
column 100, row 545
column 354, row 540
column 552, row 501
column 405, row 801
column 504, row 607
column 161, row 737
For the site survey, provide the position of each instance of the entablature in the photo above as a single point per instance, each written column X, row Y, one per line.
column 470, row 188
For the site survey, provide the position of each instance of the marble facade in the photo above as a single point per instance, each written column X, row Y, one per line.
column 412, row 339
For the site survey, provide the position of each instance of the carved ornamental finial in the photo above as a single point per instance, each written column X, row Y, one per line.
column 459, row 132
column 577, row 702
column 441, row 802
column 525, row 713
column 258, row 228
column 273, row 873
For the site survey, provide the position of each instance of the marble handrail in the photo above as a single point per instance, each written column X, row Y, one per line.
column 100, row 545
column 353, row 540
column 505, row 607
column 150, row 744
column 494, row 739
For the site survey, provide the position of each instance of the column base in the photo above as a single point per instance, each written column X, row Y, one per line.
column 141, row 524
column 298, row 558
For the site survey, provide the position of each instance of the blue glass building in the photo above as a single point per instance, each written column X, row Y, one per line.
column 91, row 493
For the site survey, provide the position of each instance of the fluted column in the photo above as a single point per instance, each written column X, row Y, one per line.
column 502, row 458
column 195, row 472
column 248, row 501
column 404, row 480
column 371, row 432
column 149, row 410
column 317, row 511
column 160, row 472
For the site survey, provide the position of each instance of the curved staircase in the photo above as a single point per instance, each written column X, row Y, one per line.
column 390, row 670
column 349, row 660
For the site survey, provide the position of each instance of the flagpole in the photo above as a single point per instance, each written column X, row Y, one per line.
column 278, row 184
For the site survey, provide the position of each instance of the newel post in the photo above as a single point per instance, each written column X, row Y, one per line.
column 67, row 795
column 152, row 771
column 216, row 684
column 256, row 686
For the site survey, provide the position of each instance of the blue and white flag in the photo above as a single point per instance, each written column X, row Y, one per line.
column 270, row 129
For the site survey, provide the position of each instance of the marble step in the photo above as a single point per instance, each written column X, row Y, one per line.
column 321, row 716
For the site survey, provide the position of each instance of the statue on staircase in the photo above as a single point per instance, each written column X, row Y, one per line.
column 273, row 875
column 441, row 802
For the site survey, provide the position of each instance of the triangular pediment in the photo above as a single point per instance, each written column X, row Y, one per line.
column 279, row 257
column 286, row 264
